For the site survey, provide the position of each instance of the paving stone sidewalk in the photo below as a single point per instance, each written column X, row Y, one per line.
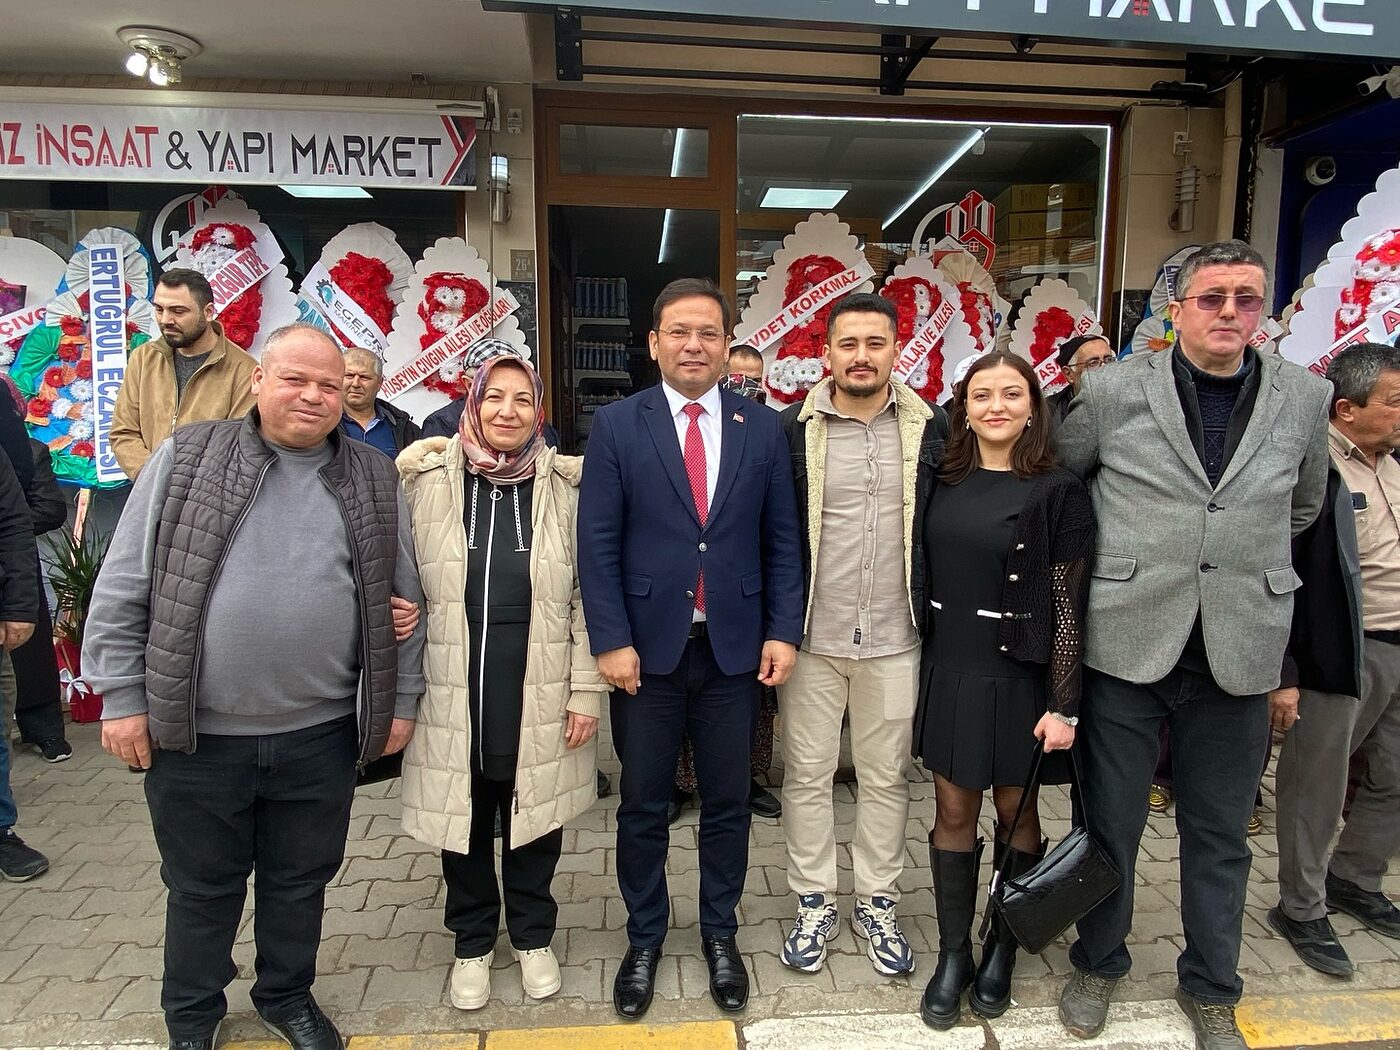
column 80, row 948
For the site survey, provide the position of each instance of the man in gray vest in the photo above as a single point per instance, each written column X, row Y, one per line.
column 1203, row 463
column 241, row 635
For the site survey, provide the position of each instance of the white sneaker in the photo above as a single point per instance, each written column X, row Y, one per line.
column 471, row 982
column 539, row 971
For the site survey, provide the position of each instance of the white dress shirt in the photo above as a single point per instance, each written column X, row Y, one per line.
column 710, row 429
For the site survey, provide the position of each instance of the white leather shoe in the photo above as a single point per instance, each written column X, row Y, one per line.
column 471, row 982
column 539, row 971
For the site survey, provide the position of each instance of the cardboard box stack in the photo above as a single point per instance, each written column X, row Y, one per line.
column 1044, row 224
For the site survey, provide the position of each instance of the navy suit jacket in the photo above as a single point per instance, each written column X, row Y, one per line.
column 641, row 545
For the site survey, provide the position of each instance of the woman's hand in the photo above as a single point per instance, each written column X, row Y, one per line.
column 579, row 730
column 1057, row 735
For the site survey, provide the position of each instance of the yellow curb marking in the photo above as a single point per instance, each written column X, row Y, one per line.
column 455, row 1041
column 1320, row 1019
column 698, row 1035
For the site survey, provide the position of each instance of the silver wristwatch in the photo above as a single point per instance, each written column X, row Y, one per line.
column 1069, row 720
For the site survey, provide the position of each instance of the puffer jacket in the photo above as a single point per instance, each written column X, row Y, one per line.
column 552, row 783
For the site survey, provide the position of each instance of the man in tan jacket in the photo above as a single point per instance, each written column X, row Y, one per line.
column 192, row 372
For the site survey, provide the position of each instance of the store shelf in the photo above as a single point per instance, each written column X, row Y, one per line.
column 621, row 322
column 614, row 377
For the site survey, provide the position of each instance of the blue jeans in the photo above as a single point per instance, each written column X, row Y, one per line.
column 1218, row 745
column 8, row 814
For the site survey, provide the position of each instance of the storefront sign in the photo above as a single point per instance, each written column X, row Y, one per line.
column 174, row 144
column 925, row 339
column 330, row 299
column 451, row 346
column 107, row 336
column 809, row 302
column 1353, row 28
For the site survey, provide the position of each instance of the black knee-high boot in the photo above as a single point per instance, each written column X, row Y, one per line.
column 991, row 988
column 955, row 897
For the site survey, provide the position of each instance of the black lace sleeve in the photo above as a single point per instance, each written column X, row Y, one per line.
column 1072, row 540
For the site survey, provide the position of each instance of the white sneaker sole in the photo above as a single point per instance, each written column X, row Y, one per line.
column 880, row 967
column 462, row 1003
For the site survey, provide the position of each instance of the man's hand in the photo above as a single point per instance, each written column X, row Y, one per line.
column 1283, row 708
column 16, row 634
column 776, row 662
column 1057, row 735
column 579, row 729
column 400, row 733
column 405, row 615
column 128, row 739
column 621, row 668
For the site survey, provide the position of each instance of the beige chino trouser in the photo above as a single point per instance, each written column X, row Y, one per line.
column 879, row 692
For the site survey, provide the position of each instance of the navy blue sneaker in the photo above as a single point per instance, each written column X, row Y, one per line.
column 817, row 922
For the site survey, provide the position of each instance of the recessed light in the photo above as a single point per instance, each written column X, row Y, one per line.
column 329, row 192
column 800, row 197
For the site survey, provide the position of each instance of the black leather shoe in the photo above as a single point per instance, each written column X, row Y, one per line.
column 679, row 800
column 207, row 1043
column 729, row 981
column 763, row 803
column 308, row 1030
column 1315, row 942
column 1369, row 907
column 635, row 981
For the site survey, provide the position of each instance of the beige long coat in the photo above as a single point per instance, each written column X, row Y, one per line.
column 553, row 784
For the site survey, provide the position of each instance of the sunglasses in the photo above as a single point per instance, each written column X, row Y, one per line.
column 1213, row 302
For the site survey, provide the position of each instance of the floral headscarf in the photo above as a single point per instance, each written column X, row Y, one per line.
column 500, row 468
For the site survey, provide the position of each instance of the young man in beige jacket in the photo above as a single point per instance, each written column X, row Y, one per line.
column 192, row 372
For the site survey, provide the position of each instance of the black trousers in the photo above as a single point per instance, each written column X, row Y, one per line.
column 278, row 805
column 1218, row 744
column 38, row 704
column 473, row 911
column 718, row 712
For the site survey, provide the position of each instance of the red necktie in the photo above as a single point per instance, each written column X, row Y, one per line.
column 695, row 470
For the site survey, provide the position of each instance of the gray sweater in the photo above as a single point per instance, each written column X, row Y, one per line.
column 282, row 627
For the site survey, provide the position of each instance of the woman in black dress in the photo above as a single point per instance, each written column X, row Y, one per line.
column 1007, row 537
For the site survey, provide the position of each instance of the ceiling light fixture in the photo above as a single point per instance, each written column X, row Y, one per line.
column 801, row 197
column 157, row 54
column 938, row 173
column 327, row 192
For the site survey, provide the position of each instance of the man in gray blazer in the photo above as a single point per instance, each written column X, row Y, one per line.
column 1203, row 462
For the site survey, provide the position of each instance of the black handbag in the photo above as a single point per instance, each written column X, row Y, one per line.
column 1068, row 882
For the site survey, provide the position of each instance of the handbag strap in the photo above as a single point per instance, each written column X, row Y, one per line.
column 1077, row 817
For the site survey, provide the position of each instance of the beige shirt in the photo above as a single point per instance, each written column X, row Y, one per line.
column 1377, row 529
column 860, row 599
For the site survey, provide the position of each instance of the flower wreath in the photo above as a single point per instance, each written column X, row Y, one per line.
column 214, row 245
column 1375, row 281
column 1053, row 326
column 915, row 299
column 977, row 312
column 366, row 280
column 799, row 365
column 448, row 300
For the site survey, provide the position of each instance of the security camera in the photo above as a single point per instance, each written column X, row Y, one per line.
column 1319, row 171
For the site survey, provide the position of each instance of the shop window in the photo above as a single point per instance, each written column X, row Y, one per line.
column 605, row 149
column 1028, row 200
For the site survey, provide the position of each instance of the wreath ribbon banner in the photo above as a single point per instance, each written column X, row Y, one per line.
column 807, row 304
column 1380, row 327
column 342, row 311
column 19, row 324
column 451, row 346
column 107, row 335
column 1051, row 376
column 925, row 339
column 237, row 275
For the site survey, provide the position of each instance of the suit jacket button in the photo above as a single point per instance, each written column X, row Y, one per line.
column 1003, row 648
column 1020, row 546
column 1013, row 577
column 1212, row 507
column 703, row 548
column 690, row 595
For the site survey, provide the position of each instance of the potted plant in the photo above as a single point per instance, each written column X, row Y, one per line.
column 74, row 562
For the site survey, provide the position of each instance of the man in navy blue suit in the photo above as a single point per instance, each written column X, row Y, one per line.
column 692, row 588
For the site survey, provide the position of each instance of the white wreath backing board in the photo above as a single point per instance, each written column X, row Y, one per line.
column 956, row 342
column 37, row 269
column 1296, row 303
column 963, row 269
column 1045, row 295
column 1162, row 288
column 279, row 301
column 447, row 255
column 136, row 271
column 1379, row 210
column 1150, row 336
column 373, row 241
column 819, row 234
